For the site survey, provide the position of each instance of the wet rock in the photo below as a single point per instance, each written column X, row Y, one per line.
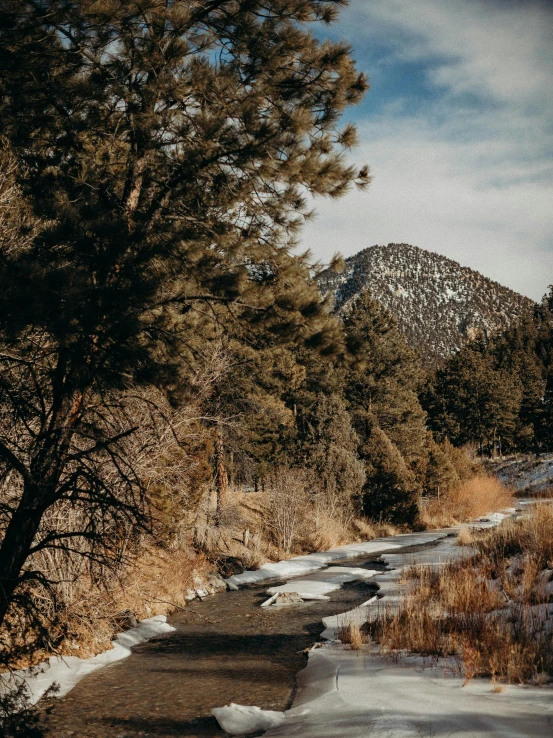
column 287, row 598
column 205, row 586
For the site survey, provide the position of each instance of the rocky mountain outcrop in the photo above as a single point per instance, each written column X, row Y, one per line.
column 438, row 304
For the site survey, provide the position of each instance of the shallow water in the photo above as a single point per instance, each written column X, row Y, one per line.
column 225, row 649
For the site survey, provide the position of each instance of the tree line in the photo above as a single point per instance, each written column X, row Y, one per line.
column 498, row 393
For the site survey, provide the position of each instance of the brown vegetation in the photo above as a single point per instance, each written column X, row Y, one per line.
column 488, row 615
column 352, row 636
column 471, row 499
column 287, row 519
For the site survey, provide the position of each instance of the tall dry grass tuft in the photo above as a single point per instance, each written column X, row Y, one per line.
column 489, row 614
column 466, row 536
column 531, row 536
column 471, row 499
column 351, row 635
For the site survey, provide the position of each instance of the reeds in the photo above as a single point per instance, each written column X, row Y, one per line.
column 489, row 615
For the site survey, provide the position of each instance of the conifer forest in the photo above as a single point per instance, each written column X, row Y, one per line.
column 187, row 393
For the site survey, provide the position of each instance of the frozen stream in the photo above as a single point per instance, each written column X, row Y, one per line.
column 224, row 649
column 228, row 649
column 359, row 694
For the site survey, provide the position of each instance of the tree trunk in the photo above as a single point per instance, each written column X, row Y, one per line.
column 221, row 478
column 17, row 543
column 37, row 496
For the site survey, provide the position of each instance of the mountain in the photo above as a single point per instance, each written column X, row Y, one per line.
column 438, row 304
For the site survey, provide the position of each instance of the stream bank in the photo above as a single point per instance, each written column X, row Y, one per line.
column 225, row 649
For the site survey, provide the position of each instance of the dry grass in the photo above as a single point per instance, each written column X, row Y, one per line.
column 88, row 614
column 352, row 636
column 471, row 499
column 531, row 536
column 323, row 532
column 487, row 615
column 367, row 530
column 466, row 536
column 351, row 633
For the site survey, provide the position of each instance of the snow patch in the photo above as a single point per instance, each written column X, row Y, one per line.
column 330, row 581
column 301, row 565
column 242, row 719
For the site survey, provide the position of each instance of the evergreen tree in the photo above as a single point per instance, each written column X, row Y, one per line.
column 256, row 426
column 515, row 351
column 496, row 392
column 164, row 149
column 330, row 450
column 323, row 375
column 383, row 378
column 470, row 401
column 390, row 492
column 461, row 461
column 440, row 474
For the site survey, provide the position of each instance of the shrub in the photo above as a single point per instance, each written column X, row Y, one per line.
column 287, row 507
column 470, row 499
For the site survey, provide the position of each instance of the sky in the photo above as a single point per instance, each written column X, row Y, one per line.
column 457, row 129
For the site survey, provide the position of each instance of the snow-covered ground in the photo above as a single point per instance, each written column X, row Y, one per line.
column 529, row 474
column 300, row 565
column 67, row 671
column 359, row 694
column 350, row 694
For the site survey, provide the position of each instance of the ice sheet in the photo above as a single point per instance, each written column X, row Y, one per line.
column 242, row 719
column 300, row 565
column 348, row 695
column 331, row 580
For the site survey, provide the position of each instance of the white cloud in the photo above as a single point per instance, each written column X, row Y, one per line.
column 471, row 181
column 500, row 49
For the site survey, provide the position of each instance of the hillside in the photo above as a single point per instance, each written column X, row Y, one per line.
column 437, row 303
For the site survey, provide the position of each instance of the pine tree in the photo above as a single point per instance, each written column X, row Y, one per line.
column 515, row 351
column 383, row 378
column 470, row 401
column 330, row 450
column 164, row 149
column 440, row 474
column 461, row 461
column 390, row 492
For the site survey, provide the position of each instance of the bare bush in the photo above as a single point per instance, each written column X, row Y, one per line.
column 146, row 484
column 288, row 505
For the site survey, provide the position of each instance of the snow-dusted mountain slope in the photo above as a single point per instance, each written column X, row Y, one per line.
column 437, row 303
